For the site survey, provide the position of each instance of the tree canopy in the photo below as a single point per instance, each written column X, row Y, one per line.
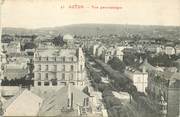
column 117, row 64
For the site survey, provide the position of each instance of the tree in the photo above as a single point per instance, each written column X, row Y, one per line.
column 129, row 59
column 117, row 64
column 58, row 41
column 29, row 45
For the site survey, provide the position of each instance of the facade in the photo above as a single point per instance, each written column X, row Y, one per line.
column 177, row 49
column 13, row 47
column 169, row 50
column 100, row 51
column 113, row 52
column 140, row 79
column 15, row 70
column 57, row 66
column 93, row 49
column 166, row 85
column 174, row 99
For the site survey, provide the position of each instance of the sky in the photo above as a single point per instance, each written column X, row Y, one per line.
column 50, row 13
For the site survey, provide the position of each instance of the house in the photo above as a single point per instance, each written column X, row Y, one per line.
column 100, row 51
column 15, row 70
column 177, row 49
column 13, row 47
column 169, row 50
column 113, row 52
column 69, row 101
column 167, row 85
column 23, row 104
column 56, row 66
column 140, row 79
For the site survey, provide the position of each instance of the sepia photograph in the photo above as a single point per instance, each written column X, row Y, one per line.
column 90, row 58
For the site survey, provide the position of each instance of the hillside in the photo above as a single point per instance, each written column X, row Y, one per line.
column 169, row 32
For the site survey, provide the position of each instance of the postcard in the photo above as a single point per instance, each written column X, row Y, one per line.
column 93, row 58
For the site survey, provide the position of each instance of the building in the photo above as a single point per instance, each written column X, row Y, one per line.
column 173, row 102
column 169, row 50
column 177, row 49
column 13, row 47
column 59, row 65
column 69, row 101
column 140, row 79
column 100, row 50
column 25, row 103
column 93, row 49
column 166, row 84
column 113, row 52
column 15, row 70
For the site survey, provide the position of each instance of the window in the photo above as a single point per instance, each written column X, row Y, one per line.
column 63, row 67
column 54, row 58
column 39, row 67
column 39, row 58
column 47, row 58
column 55, row 67
column 46, row 67
column 46, row 76
column 39, row 76
column 63, row 76
column 54, row 82
column 46, row 83
column 72, row 59
column 39, row 83
column 72, row 68
column 71, row 77
column 81, row 68
column 63, row 59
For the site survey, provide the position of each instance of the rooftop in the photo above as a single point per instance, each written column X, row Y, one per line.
column 57, row 52
column 53, row 104
column 68, row 37
column 23, row 104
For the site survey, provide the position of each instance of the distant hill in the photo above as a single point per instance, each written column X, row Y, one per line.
column 169, row 32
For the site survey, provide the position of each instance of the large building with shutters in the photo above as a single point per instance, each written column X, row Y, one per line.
column 57, row 66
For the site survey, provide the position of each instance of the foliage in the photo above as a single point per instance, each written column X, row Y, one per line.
column 161, row 60
column 29, row 45
column 117, row 64
column 130, row 59
column 58, row 41
column 16, row 82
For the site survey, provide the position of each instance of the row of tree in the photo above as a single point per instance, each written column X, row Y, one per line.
column 16, row 82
